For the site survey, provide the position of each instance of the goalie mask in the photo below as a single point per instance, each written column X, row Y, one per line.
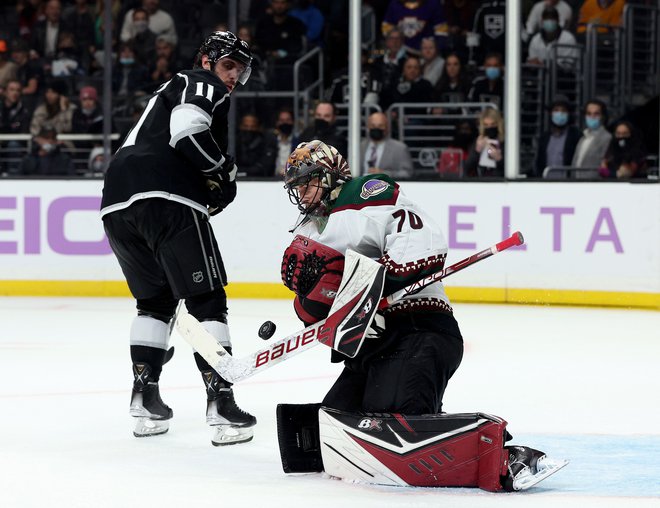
column 220, row 45
column 314, row 175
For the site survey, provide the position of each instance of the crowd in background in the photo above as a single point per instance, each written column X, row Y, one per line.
column 425, row 51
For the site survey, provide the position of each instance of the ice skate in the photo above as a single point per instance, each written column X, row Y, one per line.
column 527, row 467
column 147, row 407
column 231, row 424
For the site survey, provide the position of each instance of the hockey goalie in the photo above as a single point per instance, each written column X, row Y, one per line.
column 382, row 420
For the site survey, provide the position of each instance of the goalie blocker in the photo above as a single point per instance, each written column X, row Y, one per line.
column 445, row 450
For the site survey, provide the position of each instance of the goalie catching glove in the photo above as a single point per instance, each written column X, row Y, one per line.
column 222, row 186
column 313, row 272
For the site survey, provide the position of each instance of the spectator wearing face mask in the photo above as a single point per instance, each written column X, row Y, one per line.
column 381, row 154
column 324, row 128
column 255, row 149
column 541, row 46
column 160, row 22
column 144, row 40
column 486, row 157
column 626, row 155
column 556, row 146
column 96, row 164
column 454, row 156
column 490, row 86
column 88, row 118
column 534, row 19
column 46, row 157
column 128, row 75
column 285, row 140
column 595, row 139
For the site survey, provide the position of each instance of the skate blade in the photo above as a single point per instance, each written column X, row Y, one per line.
column 229, row 435
column 144, row 427
column 548, row 468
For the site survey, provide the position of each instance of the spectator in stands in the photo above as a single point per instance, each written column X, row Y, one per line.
column 165, row 49
column 325, row 128
column 387, row 68
column 8, row 69
column 280, row 35
column 489, row 31
column 600, row 12
column 541, row 49
column 416, row 20
column 128, row 76
column 285, row 139
column 490, row 86
column 65, row 63
column 28, row 72
column 625, row 157
column 312, row 18
column 379, row 153
column 556, row 146
column 80, row 20
column 460, row 20
column 45, row 32
column 595, row 139
column 46, row 157
column 56, row 112
column 453, row 85
column 412, row 87
column 29, row 11
column 160, row 22
column 256, row 150
column 88, row 118
column 96, row 162
column 144, row 40
column 486, row 157
column 453, row 158
column 432, row 62
column 14, row 119
column 535, row 18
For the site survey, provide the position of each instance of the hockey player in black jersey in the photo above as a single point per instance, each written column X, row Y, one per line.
column 170, row 174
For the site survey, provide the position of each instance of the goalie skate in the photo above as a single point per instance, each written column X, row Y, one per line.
column 527, row 467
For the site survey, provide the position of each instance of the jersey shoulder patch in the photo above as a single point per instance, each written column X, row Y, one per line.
column 371, row 190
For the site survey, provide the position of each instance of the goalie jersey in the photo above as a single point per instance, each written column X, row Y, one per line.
column 181, row 135
column 373, row 217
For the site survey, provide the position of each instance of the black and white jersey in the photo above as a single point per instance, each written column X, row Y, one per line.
column 180, row 137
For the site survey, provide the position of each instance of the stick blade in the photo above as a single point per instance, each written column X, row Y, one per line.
column 206, row 345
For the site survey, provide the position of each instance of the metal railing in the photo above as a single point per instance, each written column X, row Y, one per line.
column 301, row 97
column 12, row 155
column 571, row 172
column 342, row 117
column 604, row 76
column 641, row 60
column 430, row 125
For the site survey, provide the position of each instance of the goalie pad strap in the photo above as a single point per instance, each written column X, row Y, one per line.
column 460, row 450
column 298, row 437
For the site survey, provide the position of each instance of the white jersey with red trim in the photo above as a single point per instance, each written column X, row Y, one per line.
column 373, row 217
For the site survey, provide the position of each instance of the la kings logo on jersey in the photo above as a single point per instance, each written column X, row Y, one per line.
column 197, row 277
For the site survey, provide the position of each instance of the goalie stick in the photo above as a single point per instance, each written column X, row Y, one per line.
column 237, row 369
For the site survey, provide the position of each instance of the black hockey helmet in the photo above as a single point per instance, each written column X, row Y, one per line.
column 220, row 45
column 315, row 159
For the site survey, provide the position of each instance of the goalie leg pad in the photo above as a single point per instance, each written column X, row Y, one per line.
column 298, row 437
column 458, row 450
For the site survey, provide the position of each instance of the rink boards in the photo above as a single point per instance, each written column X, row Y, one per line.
column 586, row 243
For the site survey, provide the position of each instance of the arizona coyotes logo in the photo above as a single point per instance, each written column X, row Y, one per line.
column 366, row 309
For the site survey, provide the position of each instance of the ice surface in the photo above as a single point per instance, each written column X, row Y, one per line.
column 578, row 383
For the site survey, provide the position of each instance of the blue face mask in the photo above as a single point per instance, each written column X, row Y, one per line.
column 559, row 118
column 493, row 73
column 126, row 61
column 549, row 25
column 592, row 123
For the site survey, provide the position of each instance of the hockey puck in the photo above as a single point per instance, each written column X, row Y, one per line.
column 267, row 330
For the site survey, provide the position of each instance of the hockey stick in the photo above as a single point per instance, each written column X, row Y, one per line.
column 237, row 369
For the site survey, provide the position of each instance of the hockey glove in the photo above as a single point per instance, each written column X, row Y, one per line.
column 222, row 187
